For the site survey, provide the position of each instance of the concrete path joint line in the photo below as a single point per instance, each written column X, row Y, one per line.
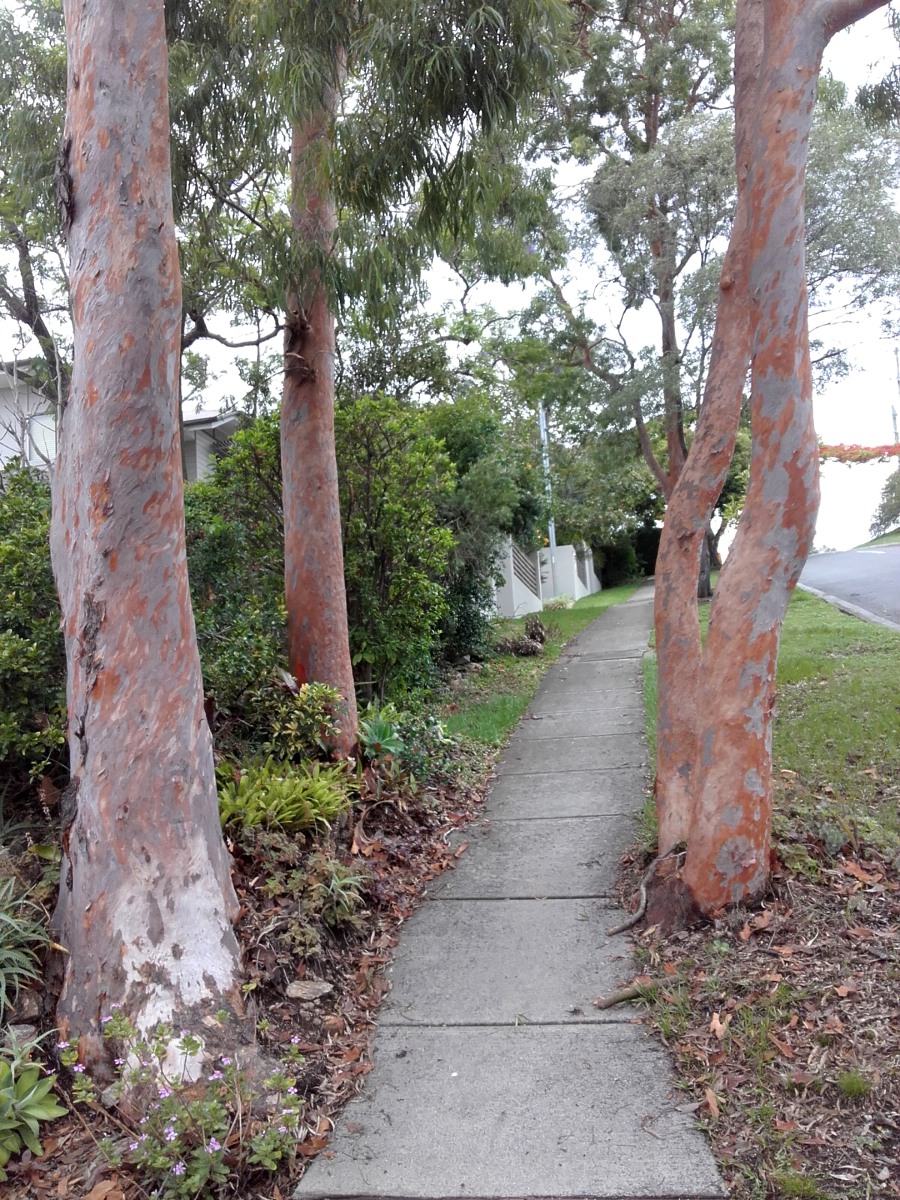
column 402, row 1023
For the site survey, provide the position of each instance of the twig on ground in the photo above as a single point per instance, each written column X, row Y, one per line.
column 632, row 992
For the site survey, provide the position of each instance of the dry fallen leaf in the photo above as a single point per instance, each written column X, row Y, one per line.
column 847, row 988
column 718, row 1027
column 854, row 869
column 106, row 1189
column 781, row 1047
column 712, row 1103
column 312, row 1146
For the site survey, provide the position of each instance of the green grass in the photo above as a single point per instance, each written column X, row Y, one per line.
column 836, row 726
column 491, row 702
column 887, row 539
column 836, row 783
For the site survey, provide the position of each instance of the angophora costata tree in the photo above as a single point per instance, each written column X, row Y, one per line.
column 714, row 762
column 385, row 103
column 145, row 894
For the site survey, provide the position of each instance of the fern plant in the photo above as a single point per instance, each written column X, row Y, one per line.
column 291, row 798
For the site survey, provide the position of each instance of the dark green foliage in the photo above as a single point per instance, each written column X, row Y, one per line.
column 235, row 564
column 645, row 541
column 498, row 493
column 887, row 515
column 393, row 476
column 616, row 561
column 32, row 655
column 306, row 722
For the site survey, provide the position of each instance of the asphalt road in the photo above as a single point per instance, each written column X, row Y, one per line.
column 868, row 579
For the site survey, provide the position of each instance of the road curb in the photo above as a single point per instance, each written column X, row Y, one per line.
column 852, row 610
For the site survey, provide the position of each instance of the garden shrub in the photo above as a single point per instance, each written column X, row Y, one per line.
column 393, row 475
column 616, row 561
column 32, row 652
column 498, row 493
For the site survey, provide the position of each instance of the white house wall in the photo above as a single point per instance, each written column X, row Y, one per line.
column 20, row 405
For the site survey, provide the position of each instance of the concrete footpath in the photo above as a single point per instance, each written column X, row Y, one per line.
column 494, row 1075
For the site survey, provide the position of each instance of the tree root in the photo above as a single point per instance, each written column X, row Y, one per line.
column 638, row 916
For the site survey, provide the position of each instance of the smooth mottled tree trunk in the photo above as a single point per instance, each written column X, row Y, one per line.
column 700, row 483
column 146, row 901
column 318, row 637
column 713, row 785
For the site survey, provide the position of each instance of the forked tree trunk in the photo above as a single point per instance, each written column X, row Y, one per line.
column 145, row 901
column 316, row 597
column 691, row 505
column 714, row 771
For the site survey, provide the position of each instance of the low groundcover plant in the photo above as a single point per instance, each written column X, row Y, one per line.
column 195, row 1135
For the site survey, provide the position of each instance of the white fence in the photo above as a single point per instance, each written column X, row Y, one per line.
column 529, row 578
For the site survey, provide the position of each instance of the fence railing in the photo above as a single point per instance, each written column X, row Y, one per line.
column 581, row 567
column 525, row 570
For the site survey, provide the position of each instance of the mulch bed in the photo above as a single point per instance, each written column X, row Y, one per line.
column 399, row 839
column 784, row 1023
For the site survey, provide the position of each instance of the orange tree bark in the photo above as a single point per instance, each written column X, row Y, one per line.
column 714, row 769
column 316, row 598
column 145, row 894
column 699, row 485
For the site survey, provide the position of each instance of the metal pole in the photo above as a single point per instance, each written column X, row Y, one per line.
column 551, row 528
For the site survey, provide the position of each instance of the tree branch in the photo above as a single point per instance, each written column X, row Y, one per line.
column 840, row 14
column 200, row 330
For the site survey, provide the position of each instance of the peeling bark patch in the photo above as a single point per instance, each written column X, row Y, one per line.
column 732, row 816
column 92, row 617
column 736, row 857
column 754, row 785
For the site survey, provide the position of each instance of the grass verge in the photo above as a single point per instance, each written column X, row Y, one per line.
column 487, row 701
column 782, row 1020
column 887, row 539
